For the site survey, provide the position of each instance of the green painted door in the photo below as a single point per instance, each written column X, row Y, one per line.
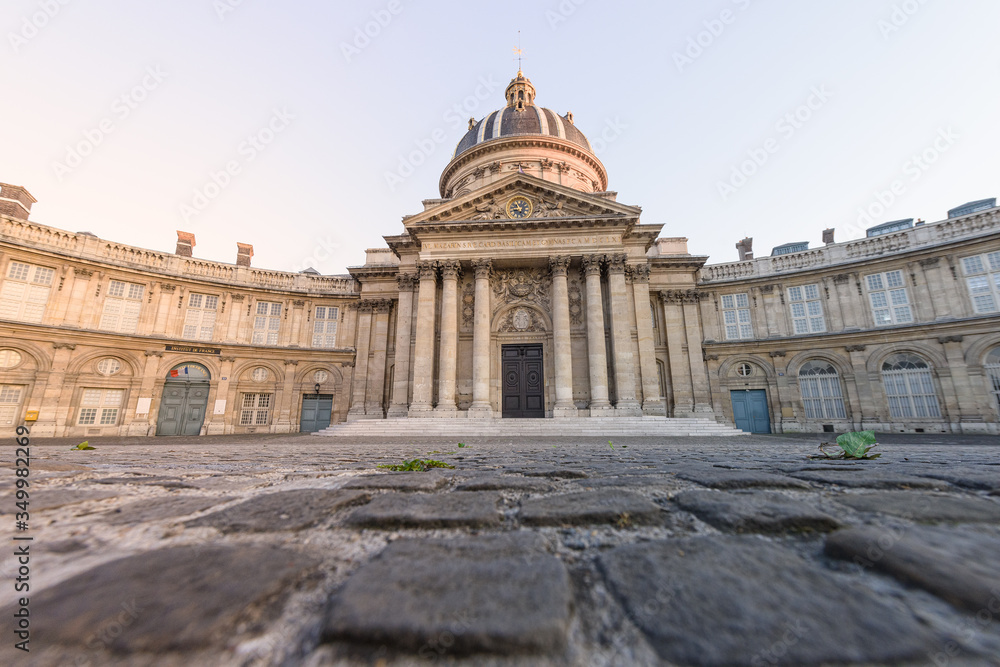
column 316, row 411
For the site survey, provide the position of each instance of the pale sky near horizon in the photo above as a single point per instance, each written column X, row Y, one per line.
column 118, row 112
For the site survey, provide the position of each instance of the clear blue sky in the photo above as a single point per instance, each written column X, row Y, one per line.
column 181, row 85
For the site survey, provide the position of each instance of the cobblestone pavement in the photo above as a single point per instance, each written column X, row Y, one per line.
column 298, row 550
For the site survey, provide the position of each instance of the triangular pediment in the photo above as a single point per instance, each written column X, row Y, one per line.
column 547, row 201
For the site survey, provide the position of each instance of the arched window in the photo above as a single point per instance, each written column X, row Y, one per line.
column 909, row 387
column 993, row 375
column 821, row 393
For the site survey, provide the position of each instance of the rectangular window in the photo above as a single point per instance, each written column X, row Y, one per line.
column 121, row 307
column 199, row 321
column 100, row 407
column 736, row 315
column 267, row 323
column 822, row 398
column 807, row 309
column 25, row 292
column 10, row 401
column 889, row 299
column 256, row 410
column 325, row 326
column 982, row 275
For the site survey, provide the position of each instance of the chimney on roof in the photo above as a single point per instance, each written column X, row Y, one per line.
column 15, row 201
column 185, row 244
column 244, row 252
column 828, row 236
column 745, row 247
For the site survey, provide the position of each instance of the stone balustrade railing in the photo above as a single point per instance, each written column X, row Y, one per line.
column 917, row 238
column 91, row 248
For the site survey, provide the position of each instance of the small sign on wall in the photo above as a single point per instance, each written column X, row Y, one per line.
column 142, row 407
column 220, row 407
column 31, row 416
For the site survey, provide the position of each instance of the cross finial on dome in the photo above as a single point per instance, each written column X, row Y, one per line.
column 519, row 52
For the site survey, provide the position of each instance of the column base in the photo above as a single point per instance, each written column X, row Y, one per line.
column 654, row 408
column 562, row 413
column 446, row 411
column 602, row 411
column 374, row 411
column 628, row 409
column 397, row 411
column 418, row 411
column 483, row 411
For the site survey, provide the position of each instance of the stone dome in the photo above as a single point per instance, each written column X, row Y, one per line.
column 524, row 137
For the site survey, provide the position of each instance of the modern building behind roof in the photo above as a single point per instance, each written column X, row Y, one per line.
column 526, row 290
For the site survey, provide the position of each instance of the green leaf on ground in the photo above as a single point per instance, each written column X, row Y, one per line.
column 416, row 465
column 83, row 445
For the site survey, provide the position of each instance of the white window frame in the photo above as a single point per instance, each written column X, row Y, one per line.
column 122, row 307
column 325, row 328
column 806, row 308
column 202, row 313
column 255, row 408
column 25, row 291
column 11, row 396
column 267, row 323
column 982, row 278
column 911, row 393
column 822, row 396
column 736, row 320
column 100, row 407
column 889, row 298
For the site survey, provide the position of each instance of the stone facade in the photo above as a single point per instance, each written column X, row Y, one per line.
column 898, row 332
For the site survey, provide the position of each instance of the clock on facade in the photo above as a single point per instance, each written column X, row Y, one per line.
column 518, row 208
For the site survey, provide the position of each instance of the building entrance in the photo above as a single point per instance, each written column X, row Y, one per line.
column 523, row 384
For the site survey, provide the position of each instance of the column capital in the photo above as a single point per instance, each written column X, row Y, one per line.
column 559, row 265
column 427, row 270
column 616, row 262
column 83, row 273
column 639, row 273
column 382, row 306
column 682, row 296
column 451, row 269
column 299, row 303
column 950, row 339
column 592, row 264
column 63, row 346
column 406, row 282
column 856, row 348
column 167, row 287
column 483, row 267
column 237, row 297
column 153, row 353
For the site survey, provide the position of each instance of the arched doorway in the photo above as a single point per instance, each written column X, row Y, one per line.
column 185, row 400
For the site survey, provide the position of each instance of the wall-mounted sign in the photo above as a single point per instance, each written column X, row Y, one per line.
column 31, row 416
column 193, row 349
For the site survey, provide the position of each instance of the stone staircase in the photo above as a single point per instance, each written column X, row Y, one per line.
column 593, row 426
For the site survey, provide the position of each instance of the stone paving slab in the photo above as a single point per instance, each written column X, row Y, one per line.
column 960, row 566
column 761, row 512
column 496, row 594
column 429, row 481
column 175, row 599
column 860, row 478
column 729, row 479
column 284, row 510
column 744, row 601
column 471, row 509
column 157, row 509
column 47, row 499
column 924, row 507
column 603, row 506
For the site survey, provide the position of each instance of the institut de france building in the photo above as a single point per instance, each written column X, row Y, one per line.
column 525, row 291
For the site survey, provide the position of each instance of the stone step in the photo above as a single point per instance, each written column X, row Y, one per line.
column 593, row 426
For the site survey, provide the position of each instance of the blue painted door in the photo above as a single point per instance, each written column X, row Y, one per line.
column 750, row 411
column 316, row 411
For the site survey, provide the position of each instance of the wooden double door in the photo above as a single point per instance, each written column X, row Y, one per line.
column 523, row 382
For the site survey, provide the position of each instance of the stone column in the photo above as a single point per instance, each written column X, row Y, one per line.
column 152, row 382
column 680, row 370
column 867, row 410
column 652, row 402
column 564, row 406
column 219, row 424
column 423, row 354
column 376, row 385
column 699, row 375
column 622, row 338
column 481, row 407
column 284, row 422
column 448, row 363
column 51, row 420
column 935, row 274
column 236, row 315
column 970, row 410
column 81, row 284
column 404, row 320
column 297, row 311
column 600, row 406
column 362, row 347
